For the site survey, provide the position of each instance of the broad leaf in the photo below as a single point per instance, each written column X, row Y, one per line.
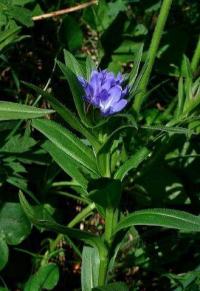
column 45, row 278
column 21, row 15
column 13, row 223
column 10, row 110
column 161, row 217
column 70, row 33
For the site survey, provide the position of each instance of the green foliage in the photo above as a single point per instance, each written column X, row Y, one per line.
column 9, row 111
column 90, row 268
column 14, row 224
column 99, row 185
column 118, row 286
column 161, row 217
column 70, row 33
column 4, row 252
column 68, row 143
column 45, row 278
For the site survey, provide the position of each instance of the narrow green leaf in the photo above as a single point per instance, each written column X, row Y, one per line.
column 134, row 72
column 180, row 97
column 4, row 251
column 77, row 92
column 67, row 142
column 21, row 2
column 72, row 63
column 102, row 154
column 66, row 115
column 89, row 268
column 66, row 163
column 90, row 66
column 117, row 286
column 89, row 238
column 186, row 70
column 170, row 129
column 132, row 163
column 10, row 110
column 135, row 90
column 161, row 217
column 10, row 35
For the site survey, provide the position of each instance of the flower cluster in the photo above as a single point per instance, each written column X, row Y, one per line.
column 104, row 91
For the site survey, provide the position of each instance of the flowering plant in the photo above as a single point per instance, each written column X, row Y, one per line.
column 105, row 92
column 109, row 162
column 99, row 167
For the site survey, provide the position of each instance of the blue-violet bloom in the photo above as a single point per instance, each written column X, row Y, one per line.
column 104, row 91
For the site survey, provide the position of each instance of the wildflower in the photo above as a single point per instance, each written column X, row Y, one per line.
column 104, row 91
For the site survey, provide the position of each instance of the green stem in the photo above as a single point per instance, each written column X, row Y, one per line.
column 82, row 215
column 196, row 57
column 109, row 225
column 64, row 183
column 104, row 261
column 162, row 18
column 103, row 268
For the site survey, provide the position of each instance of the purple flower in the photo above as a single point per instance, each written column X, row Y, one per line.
column 104, row 91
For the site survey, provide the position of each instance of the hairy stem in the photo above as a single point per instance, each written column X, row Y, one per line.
column 162, row 18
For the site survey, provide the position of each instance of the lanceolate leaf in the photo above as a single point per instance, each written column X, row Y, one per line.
column 77, row 92
column 105, row 148
column 134, row 71
column 67, row 142
column 89, row 268
column 161, row 217
column 72, row 63
column 66, row 163
column 87, row 237
column 4, row 252
column 11, row 110
column 117, row 286
column 90, row 66
column 66, row 115
column 170, row 129
column 132, row 163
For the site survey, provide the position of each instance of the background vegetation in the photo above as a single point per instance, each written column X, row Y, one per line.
column 111, row 33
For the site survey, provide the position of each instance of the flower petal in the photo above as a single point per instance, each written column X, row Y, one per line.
column 118, row 106
column 82, row 81
column 115, row 93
